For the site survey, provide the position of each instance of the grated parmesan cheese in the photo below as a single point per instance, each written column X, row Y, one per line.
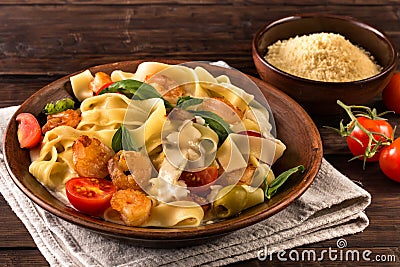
column 324, row 57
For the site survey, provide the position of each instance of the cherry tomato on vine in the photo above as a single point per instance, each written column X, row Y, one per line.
column 391, row 94
column 372, row 125
column 389, row 160
column 90, row 195
column 29, row 132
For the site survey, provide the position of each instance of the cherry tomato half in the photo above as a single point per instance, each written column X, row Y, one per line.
column 90, row 195
column 391, row 94
column 251, row 133
column 389, row 160
column 104, row 86
column 29, row 132
column 200, row 181
column 378, row 126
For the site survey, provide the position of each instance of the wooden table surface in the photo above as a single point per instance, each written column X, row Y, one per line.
column 42, row 40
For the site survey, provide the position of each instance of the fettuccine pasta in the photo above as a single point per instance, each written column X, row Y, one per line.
column 170, row 138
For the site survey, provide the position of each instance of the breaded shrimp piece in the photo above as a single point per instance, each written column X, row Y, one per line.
column 68, row 117
column 129, row 169
column 100, row 79
column 133, row 205
column 90, row 157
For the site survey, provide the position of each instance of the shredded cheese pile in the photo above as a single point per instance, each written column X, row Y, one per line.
column 324, row 57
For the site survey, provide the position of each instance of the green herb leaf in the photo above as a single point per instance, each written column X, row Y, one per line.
column 134, row 89
column 116, row 142
column 59, row 106
column 122, row 140
column 280, row 180
column 188, row 101
column 215, row 122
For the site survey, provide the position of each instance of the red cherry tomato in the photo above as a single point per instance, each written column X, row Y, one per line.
column 391, row 94
column 251, row 133
column 200, row 181
column 29, row 132
column 90, row 195
column 378, row 126
column 104, row 86
column 389, row 160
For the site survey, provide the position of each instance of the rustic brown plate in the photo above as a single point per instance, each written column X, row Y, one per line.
column 294, row 127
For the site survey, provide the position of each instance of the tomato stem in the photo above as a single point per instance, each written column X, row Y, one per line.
column 374, row 144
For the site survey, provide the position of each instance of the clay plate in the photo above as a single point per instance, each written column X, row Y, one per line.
column 294, row 127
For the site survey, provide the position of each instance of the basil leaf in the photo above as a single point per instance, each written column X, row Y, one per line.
column 215, row 122
column 188, row 101
column 116, row 142
column 59, row 106
column 134, row 89
column 122, row 140
column 266, row 186
column 280, row 180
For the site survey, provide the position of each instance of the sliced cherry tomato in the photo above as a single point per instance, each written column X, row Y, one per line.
column 391, row 94
column 200, row 181
column 90, row 195
column 29, row 132
column 377, row 126
column 104, row 86
column 251, row 133
column 389, row 160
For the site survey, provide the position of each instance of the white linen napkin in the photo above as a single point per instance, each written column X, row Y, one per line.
column 332, row 207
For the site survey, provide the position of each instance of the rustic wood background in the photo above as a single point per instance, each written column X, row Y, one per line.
column 41, row 41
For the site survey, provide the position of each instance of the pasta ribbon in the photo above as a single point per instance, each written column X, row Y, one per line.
column 145, row 119
column 176, row 214
column 80, row 85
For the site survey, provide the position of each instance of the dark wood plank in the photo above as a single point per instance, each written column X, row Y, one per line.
column 203, row 2
column 193, row 32
column 12, row 231
column 15, row 89
column 22, row 258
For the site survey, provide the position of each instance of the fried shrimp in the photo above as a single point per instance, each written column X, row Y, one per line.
column 133, row 205
column 168, row 88
column 99, row 80
column 129, row 169
column 90, row 157
column 69, row 117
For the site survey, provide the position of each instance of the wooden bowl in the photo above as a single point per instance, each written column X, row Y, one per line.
column 291, row 120
column 320, row 97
